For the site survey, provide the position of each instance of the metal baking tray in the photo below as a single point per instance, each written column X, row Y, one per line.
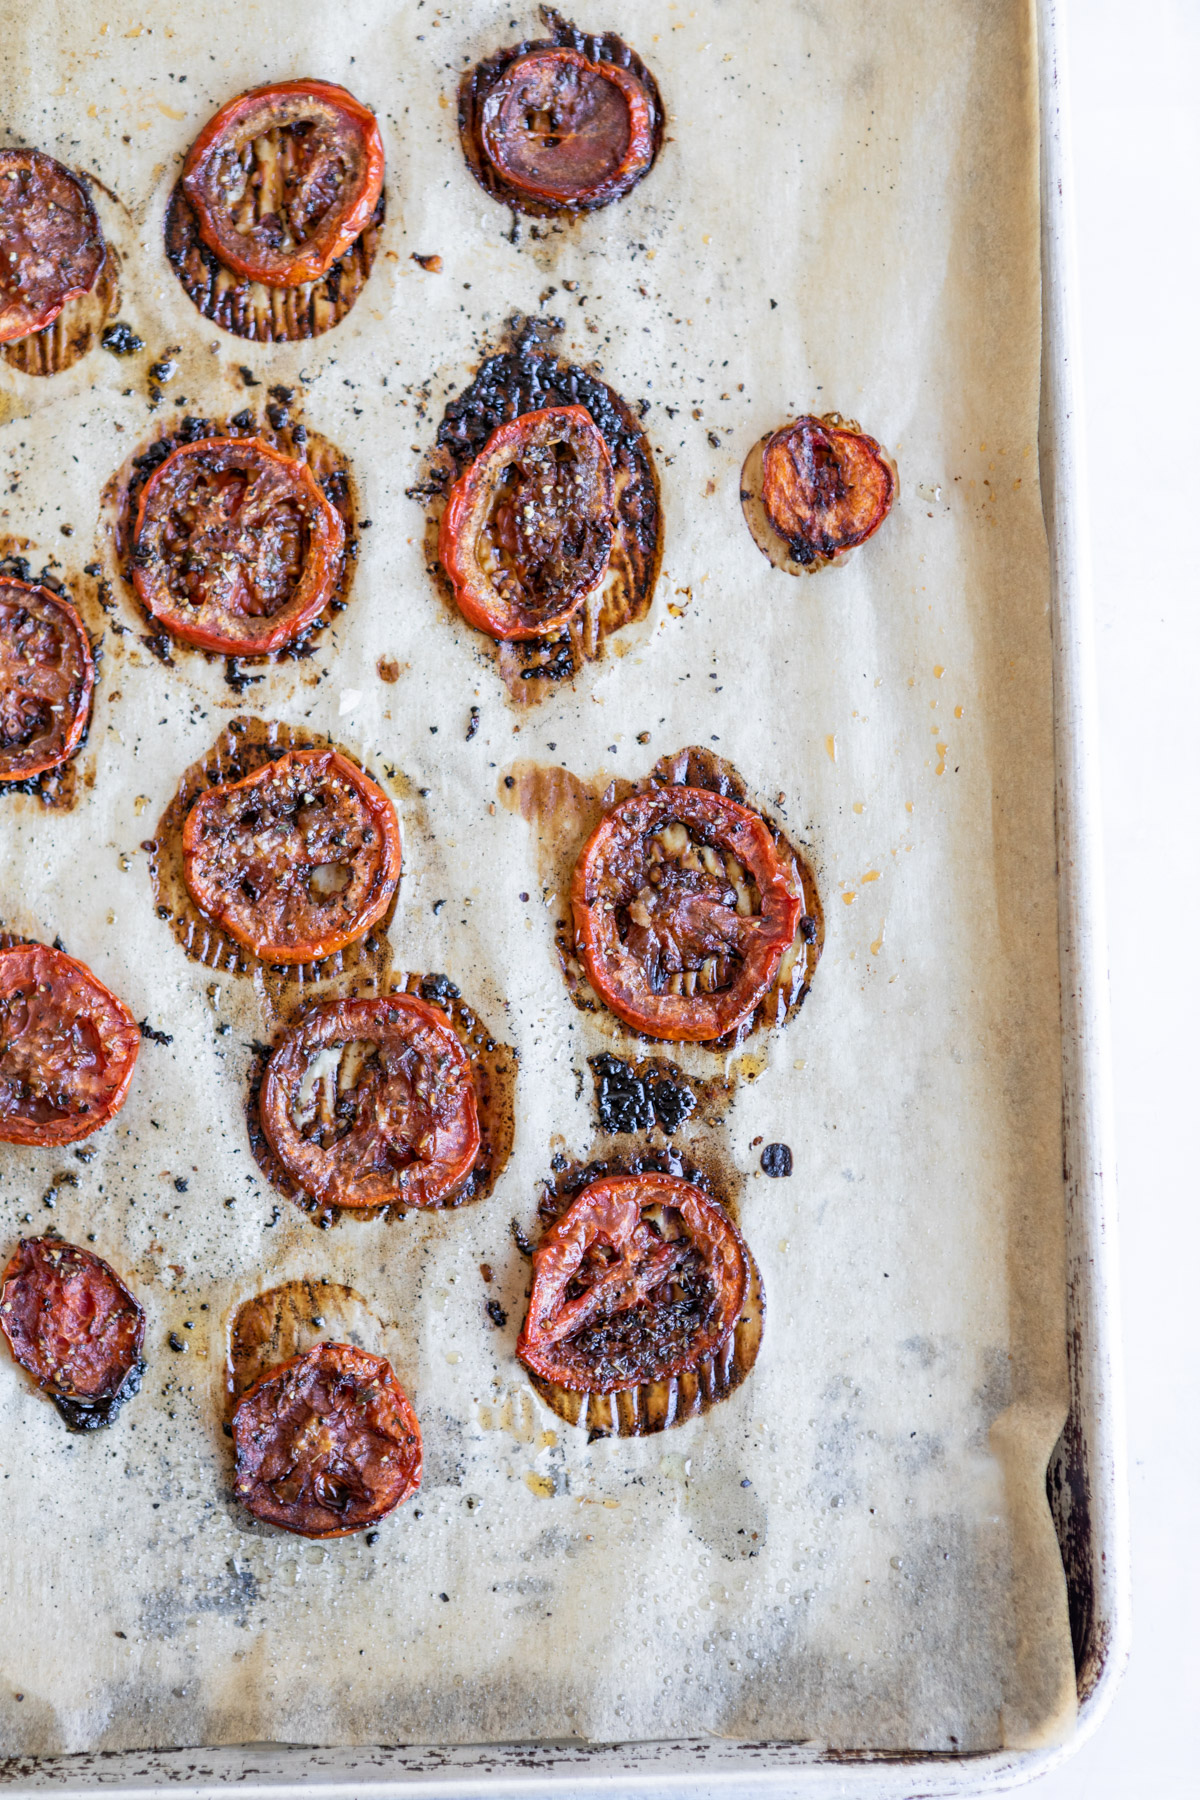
column 1086, row 1478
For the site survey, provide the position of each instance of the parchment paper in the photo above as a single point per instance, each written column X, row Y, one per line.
column 856, row 1547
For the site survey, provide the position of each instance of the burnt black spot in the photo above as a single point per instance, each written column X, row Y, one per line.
column 147, row 1030
column 496, row 1313
column 121, row 339
column 438, row 990
column 777, row 1160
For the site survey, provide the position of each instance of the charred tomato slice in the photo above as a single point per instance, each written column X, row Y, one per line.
column 284, row 178
column 683, row 909
column 296, row 860
column 528, row 527
column 67, row 1048
column 326, row 1443
column 568, row 132
column 639, row 1280
column 825, row 488
column 236, row 549
column 371, row 1103
column 74, row 1326
column 53, row 249
column 46, row 679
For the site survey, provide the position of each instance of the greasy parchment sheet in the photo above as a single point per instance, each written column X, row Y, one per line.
column 855, row 1548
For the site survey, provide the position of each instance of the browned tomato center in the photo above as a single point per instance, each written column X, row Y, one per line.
column 51, row 249
column 46, row 677
column 561, row 127
column 67, row 1048
column 825, row 488
column 639, row 1280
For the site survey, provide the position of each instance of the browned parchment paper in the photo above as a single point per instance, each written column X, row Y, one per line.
column 856, row 1547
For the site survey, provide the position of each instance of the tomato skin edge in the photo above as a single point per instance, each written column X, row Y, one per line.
column 308, row 266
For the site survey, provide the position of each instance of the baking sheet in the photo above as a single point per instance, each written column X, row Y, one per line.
column 878, row 182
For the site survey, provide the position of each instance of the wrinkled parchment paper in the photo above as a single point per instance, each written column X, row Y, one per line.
column 856, row 1547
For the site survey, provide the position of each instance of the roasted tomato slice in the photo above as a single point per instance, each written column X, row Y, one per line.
column 67, row 1048
column 236, row 549
column 566, row 131
column 640, row 1279
column 75, row 1326
column 327, row 1443
column 52, row 248
column 46, row 678
column 528, row 527
column 683, row 910
column 296, row 860
column 371, row 1103
column 825, row 488
column 284, row 179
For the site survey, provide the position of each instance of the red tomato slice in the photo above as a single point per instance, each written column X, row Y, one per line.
column 372, row 1103
column 284, row 178
column 683, row 910
column 46, row 679
column 564, row 130
column 528, row 527
column 67, row 1048
column 825, row 489
column 53, row 249
column 327, row 1443
column 296, row 860
column 639, row 1280
column 236, row 549
column 71, row 1322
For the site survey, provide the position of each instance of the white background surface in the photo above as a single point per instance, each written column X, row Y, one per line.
column 1134, row 76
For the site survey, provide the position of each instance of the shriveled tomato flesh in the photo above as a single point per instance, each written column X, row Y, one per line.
column 640, row 1279
column 67, row 1048
column 528, row 527
column 296, row 860
column 559, row 127
column 46, row 679
column 371, row 1103
column 327, row 1443
column 825, row 489
column 70, row 1321
column 284, row 178
column 51, row 247
column 683, row 909
column 236, row 549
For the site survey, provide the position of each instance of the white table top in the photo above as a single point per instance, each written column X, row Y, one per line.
column 1134, row 76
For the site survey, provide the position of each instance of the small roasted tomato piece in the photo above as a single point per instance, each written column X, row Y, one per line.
column 825, row 488
column 46, row 679
column 566, row 131
column 284, row 179
column 371, row 1103
column 640, row 1279
column 75, row 1327
column 296, row 860
column 67, row 1048
column 236, row 549
column 326, row 1443
column 528, row 527
column 683, row 910
column 51, row 247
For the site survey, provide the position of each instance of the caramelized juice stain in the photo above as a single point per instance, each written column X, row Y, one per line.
column 655, row 1406
column 494, row 1068
column 289, row 1320
column 524, row 378
column 563, row 810
column 244, row 746
column 280, row 428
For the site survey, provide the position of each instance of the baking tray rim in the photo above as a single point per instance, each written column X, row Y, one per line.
column 1087, row 1472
